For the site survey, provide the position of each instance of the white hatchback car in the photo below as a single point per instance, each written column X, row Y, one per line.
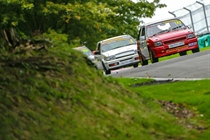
column 117, row 52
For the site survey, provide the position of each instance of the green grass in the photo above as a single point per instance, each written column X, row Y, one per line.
column 58, row 95
column 194, row 95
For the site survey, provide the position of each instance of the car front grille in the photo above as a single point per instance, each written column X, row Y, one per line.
column 124, row 54
column 174, row 40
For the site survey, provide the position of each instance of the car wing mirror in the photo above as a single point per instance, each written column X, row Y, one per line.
column 143, row 38
column 189, row 26
column 96, row 52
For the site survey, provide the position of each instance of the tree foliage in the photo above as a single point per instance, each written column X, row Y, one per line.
column 82, row 20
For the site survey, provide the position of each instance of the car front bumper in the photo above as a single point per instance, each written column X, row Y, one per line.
column 162, row 51
column 123, row 62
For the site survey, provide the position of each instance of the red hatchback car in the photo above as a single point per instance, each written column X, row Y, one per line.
column 163, row 38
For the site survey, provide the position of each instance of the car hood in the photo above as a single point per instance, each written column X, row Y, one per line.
column 120, row 50
column 168, row 35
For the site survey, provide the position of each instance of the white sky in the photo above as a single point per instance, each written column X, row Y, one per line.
column 172, row 5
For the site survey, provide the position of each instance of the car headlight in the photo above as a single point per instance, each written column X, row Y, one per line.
column 190, row 36
column 159, row 43
column 108, row 58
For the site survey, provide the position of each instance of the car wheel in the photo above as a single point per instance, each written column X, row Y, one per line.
column 196, row 50
column 142, row 61
column 105, row 70
column 153, row 59
column 182, row 53
column 135, row 65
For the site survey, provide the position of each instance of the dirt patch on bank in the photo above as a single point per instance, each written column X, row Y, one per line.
column 154, row 82
column 183, row 114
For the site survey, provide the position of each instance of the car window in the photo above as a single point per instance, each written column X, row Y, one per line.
column 164, row 25
column 115, row 43
column 139, row 34
column 87, row 52
column 143, row 31
column 84, row 50
column 142, row 35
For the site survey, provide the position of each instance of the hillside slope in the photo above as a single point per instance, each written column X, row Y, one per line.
column 57, row 95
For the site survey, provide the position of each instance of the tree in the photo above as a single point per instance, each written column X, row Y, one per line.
column 83, row 20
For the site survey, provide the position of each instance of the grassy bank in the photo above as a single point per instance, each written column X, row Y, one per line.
column 56, row 94
column 187, row 101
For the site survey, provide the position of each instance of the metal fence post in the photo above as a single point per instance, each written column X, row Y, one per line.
column 204, row 11
column 190, row 17
column 172, row 13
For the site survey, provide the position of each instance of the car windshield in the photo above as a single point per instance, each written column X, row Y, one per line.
column 84, row 50
column 164, row 26
column 117, row 43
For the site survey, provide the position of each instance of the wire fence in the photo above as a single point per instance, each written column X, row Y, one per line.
column 196, row 15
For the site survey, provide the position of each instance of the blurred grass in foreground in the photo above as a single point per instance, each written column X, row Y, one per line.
column 56, row 94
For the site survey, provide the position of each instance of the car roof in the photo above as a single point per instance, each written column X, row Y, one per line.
column 80, row 48
column 84, row 50
column 153, row 22
column 114, row 38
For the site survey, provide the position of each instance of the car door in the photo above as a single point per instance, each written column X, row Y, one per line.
column 98, row 57
column 143, row 42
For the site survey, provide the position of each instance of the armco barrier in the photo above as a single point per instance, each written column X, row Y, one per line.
column 196, row 15
column 204, row 41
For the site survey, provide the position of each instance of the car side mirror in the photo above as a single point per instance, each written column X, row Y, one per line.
column 142, row 37
column 96, row 52
column 189, row 26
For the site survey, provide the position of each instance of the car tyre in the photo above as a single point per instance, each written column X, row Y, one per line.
column 105, row 70
column 196, row 50
column 153, row 59
column 135, row 65
column 142, row 61
column 183, row 53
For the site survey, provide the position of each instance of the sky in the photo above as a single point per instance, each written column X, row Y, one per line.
column 172, row 5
